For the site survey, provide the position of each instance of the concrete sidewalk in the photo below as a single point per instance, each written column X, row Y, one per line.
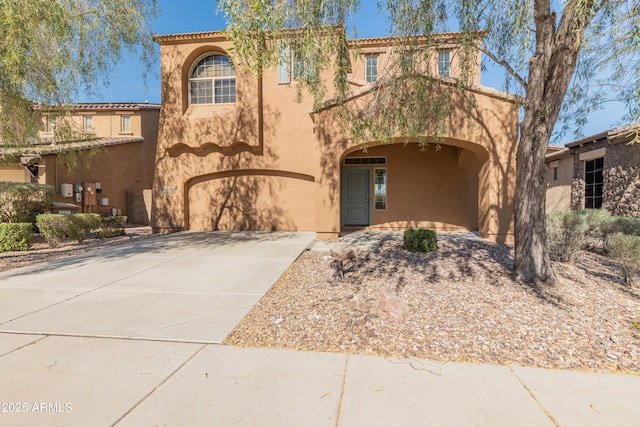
column 79, row 381
column 129, row 336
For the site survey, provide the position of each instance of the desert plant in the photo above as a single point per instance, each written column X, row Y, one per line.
column 626, row 225
column 420, row 240
column 54, row 228
column 626, row 250
column 599, row 225
column 112, row 226
column 566, row 233
column 22, row 202
column 81, row 225
column 15, row 236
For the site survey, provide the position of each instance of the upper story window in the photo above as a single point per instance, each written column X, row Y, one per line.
column 371, row 69
column 48, row 124
column 296, row 66
column 213, row 81
column 125, row 124
column 88, row 124
column 444, row 63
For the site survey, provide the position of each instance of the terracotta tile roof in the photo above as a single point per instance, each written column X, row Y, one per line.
column 115, row 106
column 53, row 148
column 106, row 106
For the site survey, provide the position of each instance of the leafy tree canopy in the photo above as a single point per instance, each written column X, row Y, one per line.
column 560, row 56
column 52, row 49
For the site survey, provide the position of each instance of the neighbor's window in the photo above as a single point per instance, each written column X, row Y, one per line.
column 371, row 71
column 49, row 124
column 555, row 174
column 125, row 124
column 380, row 181
column 88, row 124
column 593, row 183
column 213, row 81
column 444, row 63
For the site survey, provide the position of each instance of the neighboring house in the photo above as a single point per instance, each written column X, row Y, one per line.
column 237, row 152
column 108, row 169
column 601, row 171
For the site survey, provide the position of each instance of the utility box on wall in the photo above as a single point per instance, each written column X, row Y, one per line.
column 90, row 198
column 66, row 190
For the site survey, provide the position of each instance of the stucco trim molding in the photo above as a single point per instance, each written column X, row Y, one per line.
column 593, row 154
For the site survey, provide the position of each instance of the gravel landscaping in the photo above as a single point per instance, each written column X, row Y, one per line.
column 458, row 303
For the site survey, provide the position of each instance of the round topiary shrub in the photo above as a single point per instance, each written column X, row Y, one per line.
column 420, row 240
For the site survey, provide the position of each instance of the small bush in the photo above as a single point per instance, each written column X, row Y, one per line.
column 565, row 235
column 420, row 240
column 626, row 250
column 81, row 225
column 112, row 226
column 22, row 202
column 626, row 225
column 599, row 225
column 55, row 228
column 15, row 236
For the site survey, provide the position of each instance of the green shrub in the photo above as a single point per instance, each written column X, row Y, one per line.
column 626, row 250
column 81, row 225
column 112, row 226
column 599, row 224
column 55, row 228
column 15, row 236
column 420, row 240
column 626, row 225
column 22, row 202
column 566, row 233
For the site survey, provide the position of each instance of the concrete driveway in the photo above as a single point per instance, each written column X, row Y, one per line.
column 183, row 287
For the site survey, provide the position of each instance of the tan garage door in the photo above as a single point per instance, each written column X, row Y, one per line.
column 253, row 203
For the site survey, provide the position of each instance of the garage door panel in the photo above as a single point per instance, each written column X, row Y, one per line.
column 252, row 203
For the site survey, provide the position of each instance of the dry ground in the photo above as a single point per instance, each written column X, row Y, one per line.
column 458, row 303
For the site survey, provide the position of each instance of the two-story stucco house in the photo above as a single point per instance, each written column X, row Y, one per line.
column 113, row 149
column 237, row 152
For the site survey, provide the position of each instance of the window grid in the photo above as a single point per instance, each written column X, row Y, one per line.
column 213, row 81
column 380, row 194
column 88, row 124
column 365, row 161
column 371, row 69
column 444, row 63
column 125, row 124
column 594, row 180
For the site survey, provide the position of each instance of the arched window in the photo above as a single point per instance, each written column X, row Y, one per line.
column 213, row 81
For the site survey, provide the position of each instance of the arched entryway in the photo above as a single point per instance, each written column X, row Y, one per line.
column 396, row 186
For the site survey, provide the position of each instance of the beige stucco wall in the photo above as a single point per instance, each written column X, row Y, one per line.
column 559, row 191
column 287, row 162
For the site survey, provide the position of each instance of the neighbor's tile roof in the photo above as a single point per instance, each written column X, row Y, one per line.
column 53, row 148
column 108, row 106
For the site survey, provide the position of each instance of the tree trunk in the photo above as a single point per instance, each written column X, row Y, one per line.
column 531, row 258
column 550, row 72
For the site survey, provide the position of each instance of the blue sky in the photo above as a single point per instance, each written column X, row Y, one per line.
column 127, row 84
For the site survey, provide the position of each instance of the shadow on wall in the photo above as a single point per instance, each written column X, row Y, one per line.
column 488, row 133
column 213, row 166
